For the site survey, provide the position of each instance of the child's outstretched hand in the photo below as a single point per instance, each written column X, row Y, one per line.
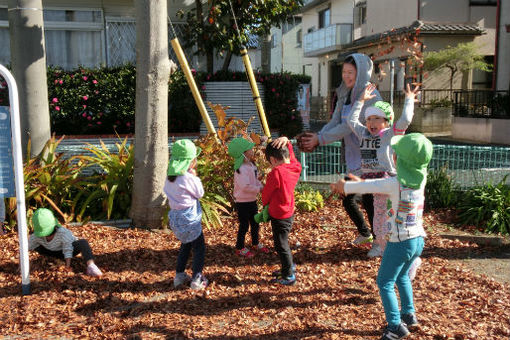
column 368, row 92
column 338, row 187
column 280, row 142
column 412, row 94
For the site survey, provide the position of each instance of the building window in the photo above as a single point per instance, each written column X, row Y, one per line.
column 299, row 37
column 73, row 37
column 325, row 18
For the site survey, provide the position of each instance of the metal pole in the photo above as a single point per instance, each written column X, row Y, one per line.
column 18, row 176
column 392, row 81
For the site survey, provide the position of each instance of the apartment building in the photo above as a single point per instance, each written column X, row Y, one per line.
column 335, row 28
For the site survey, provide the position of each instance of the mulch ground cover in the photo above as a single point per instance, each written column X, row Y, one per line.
column 335, row 297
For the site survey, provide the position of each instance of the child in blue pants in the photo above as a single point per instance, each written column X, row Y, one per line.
column 406, row 194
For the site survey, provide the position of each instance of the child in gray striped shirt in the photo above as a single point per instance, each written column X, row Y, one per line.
column 51, row 239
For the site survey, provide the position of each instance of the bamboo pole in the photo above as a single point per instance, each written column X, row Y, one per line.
column 255, row 91
column 193, row 86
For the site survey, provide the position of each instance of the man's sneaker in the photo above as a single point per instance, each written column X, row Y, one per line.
column 287, row 281
column 395, row 333
column 362, row 240
column 375, row 251
column 180, row 279
column 279, row 272
column 410, row 321
column 414, row 267
column 93, row 270
column 261, row 248
column 199, row 282
column 245, row 252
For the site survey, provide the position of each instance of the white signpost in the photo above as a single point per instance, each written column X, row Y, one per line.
column 17, row 159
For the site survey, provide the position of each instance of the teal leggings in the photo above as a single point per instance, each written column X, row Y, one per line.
column 397, row 258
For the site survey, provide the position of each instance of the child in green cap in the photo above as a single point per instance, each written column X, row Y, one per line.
column 183, row 190
column 376, row 153
column 246, row 188
column 51, row 239
column 406, row 193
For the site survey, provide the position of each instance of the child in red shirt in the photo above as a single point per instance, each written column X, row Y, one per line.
column 278, row 194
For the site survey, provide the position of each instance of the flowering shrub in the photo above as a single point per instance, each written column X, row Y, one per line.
column 102, row 101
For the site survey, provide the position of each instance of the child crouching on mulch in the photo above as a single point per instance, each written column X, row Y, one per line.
column 51, row 239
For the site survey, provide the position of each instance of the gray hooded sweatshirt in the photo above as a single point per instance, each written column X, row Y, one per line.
column 338, row 128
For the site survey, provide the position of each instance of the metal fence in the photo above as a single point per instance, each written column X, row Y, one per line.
column 427, row 97
column 481, row 103
column 469, row 165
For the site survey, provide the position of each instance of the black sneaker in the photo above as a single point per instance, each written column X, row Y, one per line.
column 410, row 321
column 396, row 333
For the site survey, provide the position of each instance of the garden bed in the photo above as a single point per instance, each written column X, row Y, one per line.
column 335, row 297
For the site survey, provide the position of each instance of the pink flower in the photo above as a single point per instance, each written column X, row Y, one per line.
column 89, row 117
column 94, row 81
column 128, row 124
column 56, row 81
column 84, row 114
column 54, row 100
column 84, row 106
column 273, row 90
column 60, row 81
column 203, row 87
column 85, row 97
column 193, row 71
column 85, row 78
column 57, row 108
column 96, row 92
column 98, row 123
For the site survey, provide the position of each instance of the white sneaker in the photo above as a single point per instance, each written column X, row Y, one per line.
column 375, row 251
column 199, row 282
column 362, row 240
column 93, row 270
column 414, row 267
column 180, row 279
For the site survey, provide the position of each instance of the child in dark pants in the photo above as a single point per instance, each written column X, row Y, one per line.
column 51, row 239
column 246, row 188
column 278, row 194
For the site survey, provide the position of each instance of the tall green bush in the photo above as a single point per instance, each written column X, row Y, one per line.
column 441, row 190
column 487, row 206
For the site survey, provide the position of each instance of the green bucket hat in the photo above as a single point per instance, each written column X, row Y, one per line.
column 184, row 152
column 381, row 109
column 414, row 152
column 262, row 216
column 44, row 222
column 236, row 148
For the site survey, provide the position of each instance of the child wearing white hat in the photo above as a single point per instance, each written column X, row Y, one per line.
column 376, row 153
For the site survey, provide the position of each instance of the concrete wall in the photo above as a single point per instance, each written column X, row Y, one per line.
column 503, row 76
column 428, row 120
column 287, row 55
column 385, row 15
column 493, row 131
column 441, row 11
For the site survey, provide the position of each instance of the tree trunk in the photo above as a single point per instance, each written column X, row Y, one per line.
column 28, row 60
column 226, row 62
column 151, row 113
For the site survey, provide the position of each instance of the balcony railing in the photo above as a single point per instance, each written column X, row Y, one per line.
column 328, row 39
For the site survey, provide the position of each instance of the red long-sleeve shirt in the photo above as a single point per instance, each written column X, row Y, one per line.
column 279, row 189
